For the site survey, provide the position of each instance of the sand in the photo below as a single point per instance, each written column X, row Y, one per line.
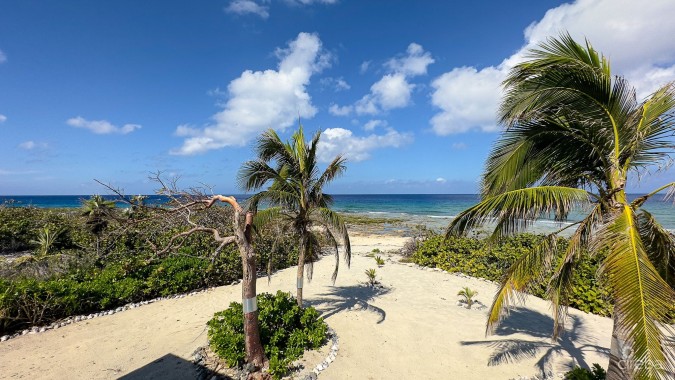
column 411, row 327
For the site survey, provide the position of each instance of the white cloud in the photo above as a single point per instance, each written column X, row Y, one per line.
column 394, row 90
column 372, row 124
column 414, row 63
column 468, row 98
column 441, row 180
column 101, row 127
column 336, row 141
column 30, row 145
column 3, row 118
column 624, row 30
column 259, row 100
column 3, row 57
column 338, row 84
column 364, row 67
column 336, row 110
column 243, row 7
column 459, row 146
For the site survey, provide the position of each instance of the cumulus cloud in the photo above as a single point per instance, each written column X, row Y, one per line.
column 3, row 57
column 441, row 180
column 468, row 98
column 336, row 141
column 30, row 145
column 259, row 100
column 372, row 124
column 414, row 63
column 337, row 84
column 336, row 110
column 310, row 2
column 3, row 118
column 101, row 127
column 623, row 30
column 244, row 7
column 394, row 90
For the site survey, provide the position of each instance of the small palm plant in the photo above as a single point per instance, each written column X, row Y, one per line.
column 372, row 276
column 468, row 295
column 45, row 242
column 379, row 261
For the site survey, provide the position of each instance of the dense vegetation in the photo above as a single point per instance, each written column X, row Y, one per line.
column 45, row 279
column 476, row 257
column 286, row 331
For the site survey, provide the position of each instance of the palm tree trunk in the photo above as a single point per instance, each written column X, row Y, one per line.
column 302, row 251
column 254, row 350
column 620, row 365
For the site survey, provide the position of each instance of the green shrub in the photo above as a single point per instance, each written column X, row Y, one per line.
column 579, row 373
column 476, row 258
column 286, row 331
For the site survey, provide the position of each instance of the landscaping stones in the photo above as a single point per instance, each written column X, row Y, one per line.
column 79, row 318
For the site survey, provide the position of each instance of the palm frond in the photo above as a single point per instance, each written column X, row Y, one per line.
column 333, row 220
column 642, row 298
column 659, row 244
column 515, row 210
column 528, row 267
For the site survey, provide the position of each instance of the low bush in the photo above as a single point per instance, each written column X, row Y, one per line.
column 477, row 258
column 579, row 373
column 286, row 331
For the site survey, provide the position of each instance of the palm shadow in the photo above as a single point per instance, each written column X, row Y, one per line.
column 571, row 342
column 172, row 367
column 354, row 297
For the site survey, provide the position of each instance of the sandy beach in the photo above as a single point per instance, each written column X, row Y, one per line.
column 411, row 327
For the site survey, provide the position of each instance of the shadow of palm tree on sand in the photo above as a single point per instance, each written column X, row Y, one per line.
column 572, row 342
column 357, row 297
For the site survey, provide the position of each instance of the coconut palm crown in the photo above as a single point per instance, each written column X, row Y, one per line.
column 573, row 134
column 296, row 196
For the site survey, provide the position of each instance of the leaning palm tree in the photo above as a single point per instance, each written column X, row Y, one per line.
column 573, row 133
column 97, row 210
column 296, row 196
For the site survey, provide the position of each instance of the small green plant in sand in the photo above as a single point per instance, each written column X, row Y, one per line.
column 372, row 276
column 468, row 295
column 579, row 373
column 379, row 261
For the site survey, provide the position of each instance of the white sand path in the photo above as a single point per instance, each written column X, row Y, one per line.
column 412, row 328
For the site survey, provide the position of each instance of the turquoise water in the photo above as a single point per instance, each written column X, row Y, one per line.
column 433, row 210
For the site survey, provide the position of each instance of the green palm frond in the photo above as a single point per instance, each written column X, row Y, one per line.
column 526, row 268
column 515, row 210
column 661, row 245
column 642, row 298
column 333, row 220
column 560, row 284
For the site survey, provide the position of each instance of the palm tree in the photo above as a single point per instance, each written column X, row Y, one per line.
column 573, row 134
column 97, row 210
column 296, row 195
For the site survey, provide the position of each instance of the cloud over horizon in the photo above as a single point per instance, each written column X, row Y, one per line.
column 623, row 30
column 259, row 100
column 336, row 141
column 3, row 118
column 101, row 127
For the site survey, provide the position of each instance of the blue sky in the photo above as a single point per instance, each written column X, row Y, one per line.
column 407, row 90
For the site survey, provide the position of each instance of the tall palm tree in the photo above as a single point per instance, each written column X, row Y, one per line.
column 296, row 195
column 573, row 134
column 97, row 210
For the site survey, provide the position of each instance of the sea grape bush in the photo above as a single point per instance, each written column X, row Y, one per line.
column 477, row 258
column 75, row 280
column 286, row 331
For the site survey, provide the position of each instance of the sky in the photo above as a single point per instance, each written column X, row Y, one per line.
column 406, row 90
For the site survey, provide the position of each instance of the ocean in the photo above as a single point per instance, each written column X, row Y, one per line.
column 432, row 210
